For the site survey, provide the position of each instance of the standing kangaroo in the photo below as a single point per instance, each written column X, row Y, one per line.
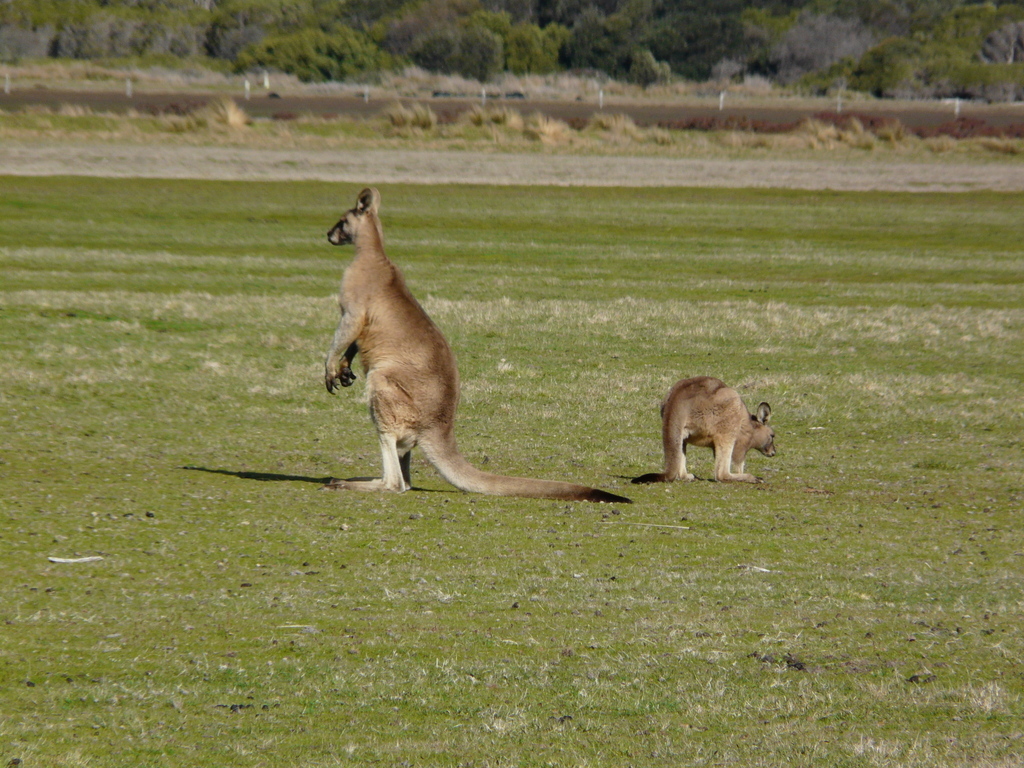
column 703, row 411
column 412, row 381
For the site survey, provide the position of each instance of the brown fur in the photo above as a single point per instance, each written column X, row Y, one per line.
column 703, row 411
column 412, row 381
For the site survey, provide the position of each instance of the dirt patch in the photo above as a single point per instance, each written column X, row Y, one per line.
column 440, row 167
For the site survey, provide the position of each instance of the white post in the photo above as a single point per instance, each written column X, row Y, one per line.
column 366, row 93
column 721, row 101
column 266, row 79
column 247, row 89
column 7, row 82
column 128, row 87
column 483, row 95
column 600, row 98
column 956, row 107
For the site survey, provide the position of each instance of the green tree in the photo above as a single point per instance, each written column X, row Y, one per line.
column 600, row 42
column 498, row 23
column 480, row 54
column 237, row 24
column 692, row 36
column 472, row 51
column 888, row 68
column 645, row 70
column 315, row 55
column 532, row 50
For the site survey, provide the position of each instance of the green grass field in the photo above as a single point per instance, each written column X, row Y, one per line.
column 162, row 406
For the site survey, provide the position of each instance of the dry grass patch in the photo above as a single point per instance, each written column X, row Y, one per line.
column 417, row 117
column 224, row 113
column 417, row 126
column 497, row 116
column 616, row 125
column 1003, row 146
column 547, row 130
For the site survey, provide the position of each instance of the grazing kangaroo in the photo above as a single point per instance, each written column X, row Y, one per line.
column 412, row 381
column 703, row 411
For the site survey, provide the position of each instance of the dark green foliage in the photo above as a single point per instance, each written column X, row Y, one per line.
column 479, row 55
column 313, row 55
column 473, row 52
column 645, row 70
column 886, row 68
column 532, row 50
column 916, row 48
column 599, row 42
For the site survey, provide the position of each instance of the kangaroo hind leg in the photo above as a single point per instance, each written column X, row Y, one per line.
column 396, row 471
column 674, row 444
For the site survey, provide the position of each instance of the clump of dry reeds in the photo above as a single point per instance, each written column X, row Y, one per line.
column 418, row 116
column 547, row 130
column 1003, row 146
column 854, row 134
column 818, row 134
column 73, row 110
column 223, row 113
column 892, row 131
column 940, row 144
column 496, row 116
column 618, row 124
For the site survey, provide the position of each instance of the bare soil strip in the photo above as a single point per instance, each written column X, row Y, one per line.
column 384, row 166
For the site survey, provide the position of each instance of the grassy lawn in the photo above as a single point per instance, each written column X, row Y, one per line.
column 162, row 406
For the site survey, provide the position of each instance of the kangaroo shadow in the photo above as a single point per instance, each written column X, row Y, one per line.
column 271, row 477
column 266, row 477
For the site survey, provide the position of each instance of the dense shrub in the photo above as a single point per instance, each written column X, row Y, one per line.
column 314, row 55
column 472, row 51
column 532, row 50
column 887, row 69
column 17, row 42
column 930, row 49
column 644, row 70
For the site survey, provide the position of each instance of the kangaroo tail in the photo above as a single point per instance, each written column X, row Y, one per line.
column 650, row 477
column 454, row 468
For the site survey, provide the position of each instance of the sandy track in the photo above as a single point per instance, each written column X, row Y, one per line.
column 439, row 167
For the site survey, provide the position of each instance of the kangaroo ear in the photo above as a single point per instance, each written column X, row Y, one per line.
column 764, row 412
column 369, row 200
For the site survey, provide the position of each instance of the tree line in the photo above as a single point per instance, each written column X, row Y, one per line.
column 908, row 48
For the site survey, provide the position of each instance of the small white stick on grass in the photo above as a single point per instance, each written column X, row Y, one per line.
column 90, row 559
column 648, row 525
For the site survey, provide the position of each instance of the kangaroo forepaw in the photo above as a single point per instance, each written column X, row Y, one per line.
column 343, row 378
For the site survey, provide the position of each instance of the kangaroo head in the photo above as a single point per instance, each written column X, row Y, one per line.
column 355, row 220
column 764, row 436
